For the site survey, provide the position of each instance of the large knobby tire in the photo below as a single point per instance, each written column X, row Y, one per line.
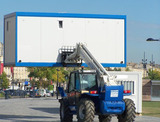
column 129, row 114
column 86, row 111
column 65, row 113
column 105, row 118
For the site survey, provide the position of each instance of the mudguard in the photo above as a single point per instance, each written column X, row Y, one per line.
column 62, row 92
column 112, row 100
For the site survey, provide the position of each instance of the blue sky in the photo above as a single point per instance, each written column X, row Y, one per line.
column 143, row 19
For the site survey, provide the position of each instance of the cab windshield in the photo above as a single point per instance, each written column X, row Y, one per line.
column 88, row 81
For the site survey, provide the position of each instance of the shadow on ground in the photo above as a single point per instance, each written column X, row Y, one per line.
column 34, row 121
column 48, row 110
column 10, row 117
column 38, row 121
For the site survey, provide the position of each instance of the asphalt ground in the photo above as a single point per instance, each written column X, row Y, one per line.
column 41, row 110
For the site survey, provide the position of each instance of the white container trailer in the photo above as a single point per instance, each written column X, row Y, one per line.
column 34, row 39
column 131, row 81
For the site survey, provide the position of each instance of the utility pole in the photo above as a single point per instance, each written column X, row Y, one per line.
column 152, row 63
column 57, row 82
column 144, row 62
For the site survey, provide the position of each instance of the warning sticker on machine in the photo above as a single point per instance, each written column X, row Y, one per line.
column 114, row 93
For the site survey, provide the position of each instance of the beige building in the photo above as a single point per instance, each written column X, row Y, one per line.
column 19, row 73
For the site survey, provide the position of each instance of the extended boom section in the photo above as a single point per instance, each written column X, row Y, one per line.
column 79, row 53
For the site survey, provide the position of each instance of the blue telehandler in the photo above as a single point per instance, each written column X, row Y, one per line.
column 92, row 92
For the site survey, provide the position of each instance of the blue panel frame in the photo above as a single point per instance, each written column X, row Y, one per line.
column 68, row 15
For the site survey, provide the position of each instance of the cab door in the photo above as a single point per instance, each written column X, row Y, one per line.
column 71, row 89
column 78, row 89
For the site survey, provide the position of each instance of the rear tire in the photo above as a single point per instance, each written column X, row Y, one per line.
column 129, row 114
column 105, row 118
column 65, row 113
column 86, row 111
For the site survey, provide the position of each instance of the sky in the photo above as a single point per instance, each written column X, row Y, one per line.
column 143, row 19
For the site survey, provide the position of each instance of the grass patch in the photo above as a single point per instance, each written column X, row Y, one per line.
column 151, row 108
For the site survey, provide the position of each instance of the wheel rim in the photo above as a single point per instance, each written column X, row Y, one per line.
column 81, row 112
column 62, row 111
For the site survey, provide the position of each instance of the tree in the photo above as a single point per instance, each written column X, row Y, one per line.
column 117, row 69
column 4, row 81
column 45, row 84
column 41, row 72
column 47, row 74
column 50, row 87
column 61, row 75
column 127, row 69
column 154, row 74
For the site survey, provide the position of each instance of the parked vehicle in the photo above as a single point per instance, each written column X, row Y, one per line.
column 52, row 92
column 42, row 92
column 48, row 94
column 34, row 94
column 20, row 93
column 37, row 94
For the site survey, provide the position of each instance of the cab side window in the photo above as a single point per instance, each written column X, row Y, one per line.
column 72, row 82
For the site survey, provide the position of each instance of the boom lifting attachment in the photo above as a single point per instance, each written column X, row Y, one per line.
column 76, row 54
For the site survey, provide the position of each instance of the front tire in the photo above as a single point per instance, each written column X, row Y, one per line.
column 129, row 114
column 65, row 113
column 86, row 111
column 105, row 118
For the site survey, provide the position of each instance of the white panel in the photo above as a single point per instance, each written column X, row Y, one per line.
column 9, row 36
column 102, row 34
column 50, row 39
column 28, row 40
column 74, row 31
column 40, row 38
column 96, row 37
column 119, row 47
column 123, row 77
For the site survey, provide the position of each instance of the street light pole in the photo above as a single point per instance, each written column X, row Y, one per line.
column 57, row 82
column 144, row 62
column 152, row 63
